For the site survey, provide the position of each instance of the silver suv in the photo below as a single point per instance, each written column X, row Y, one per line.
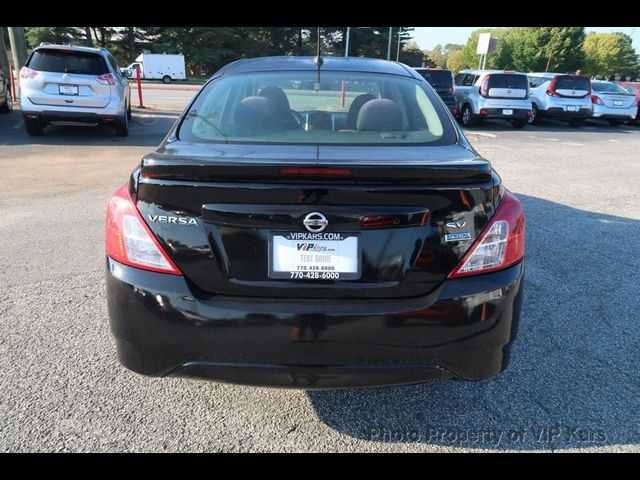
column 63, row 84
column 482, row 94
column 561, row 96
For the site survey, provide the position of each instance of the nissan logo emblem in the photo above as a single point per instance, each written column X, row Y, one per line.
column 315, row 222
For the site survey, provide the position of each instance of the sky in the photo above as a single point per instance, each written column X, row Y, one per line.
column 429, row 37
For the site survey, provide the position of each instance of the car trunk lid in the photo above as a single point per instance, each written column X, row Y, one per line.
column 231, row 216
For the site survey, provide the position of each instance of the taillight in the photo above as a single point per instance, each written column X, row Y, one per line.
column 26, row 72
column 106, row 79
column 130, row 241
column 596, row 100
column 315, row 171
column 501, row 243
column 483, row 86
column 551, row 88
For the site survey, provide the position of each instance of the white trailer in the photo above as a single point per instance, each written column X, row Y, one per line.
column 159, row 66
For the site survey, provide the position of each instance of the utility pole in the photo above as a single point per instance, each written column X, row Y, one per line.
column 18, row 47
column 399, row 39
column 389, row 45
column 346, row 46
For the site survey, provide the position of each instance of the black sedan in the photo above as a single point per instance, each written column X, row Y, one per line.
column 315, row 223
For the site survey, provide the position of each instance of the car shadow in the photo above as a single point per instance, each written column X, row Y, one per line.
column 573, row 378
column 550, row 125
column 147, row 127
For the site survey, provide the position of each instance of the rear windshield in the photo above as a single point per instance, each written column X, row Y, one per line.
column 572, row 83
column 438, row 78
column 535, row 81
column 608, row 87
column 292, row 108
column 506, row 80
column 68, row 61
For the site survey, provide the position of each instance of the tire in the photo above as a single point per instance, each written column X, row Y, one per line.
column 615, row 123
column 534, row 119
column 166, row 79
column 467, row 117
column 7, row 106
column 34, row 127
column 122, row 127
column 129, row 114
column 518, row 123
column 576, row 122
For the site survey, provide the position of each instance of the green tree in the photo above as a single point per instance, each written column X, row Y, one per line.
column 61, row 35
column 609, row 54
column 546, row 48
column 455, row 61
column 436, row 57
column 411, row 54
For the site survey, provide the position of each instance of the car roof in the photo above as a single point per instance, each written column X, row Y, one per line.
column 70, row 47
column 430, row 69
column 288, row 63
column 480, row 72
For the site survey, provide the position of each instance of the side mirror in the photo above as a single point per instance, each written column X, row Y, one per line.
column 126, row 72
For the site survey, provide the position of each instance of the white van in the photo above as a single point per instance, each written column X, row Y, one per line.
column 161, row 66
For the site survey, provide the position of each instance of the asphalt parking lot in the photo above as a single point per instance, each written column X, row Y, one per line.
column 573, row 383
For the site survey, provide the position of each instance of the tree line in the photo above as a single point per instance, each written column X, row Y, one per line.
column 208, row 48
column 557, row 49
column 540, row 49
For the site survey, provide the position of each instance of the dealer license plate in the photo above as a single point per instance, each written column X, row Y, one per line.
column 314, row 256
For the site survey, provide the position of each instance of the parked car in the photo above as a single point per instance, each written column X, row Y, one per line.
column 276, row 237
column 483, row 94
column 6, row 102
column 442, row 81
column 560, row 96
column 633, row 88
column 62, row 84
column 612, row 102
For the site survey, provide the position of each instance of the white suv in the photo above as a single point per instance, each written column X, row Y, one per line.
column 556, row 95
column 69, row 85
column 482, row 94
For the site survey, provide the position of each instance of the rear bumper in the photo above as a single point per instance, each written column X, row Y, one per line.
column 60, row 113
column 608, row 113
column 518, row 113
column 558, row 112
column 75, row 117
column 463, row 329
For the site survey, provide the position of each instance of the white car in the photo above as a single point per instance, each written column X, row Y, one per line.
column 66, row 84
column 556, row 95
column 482, row 94
column 612, row 102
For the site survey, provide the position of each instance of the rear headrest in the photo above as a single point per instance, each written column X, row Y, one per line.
column 278, row 98
column 380, row 115
column 354, row 109
column 253, row 113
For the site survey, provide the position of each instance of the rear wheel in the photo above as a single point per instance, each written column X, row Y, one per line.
column 122, row 127
column 576, row 122
column 467, row 118
column 534, row 119
column 518, row 123
column 7, row 106
column 33, row 126
column 166, row 79
column 615, row 123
